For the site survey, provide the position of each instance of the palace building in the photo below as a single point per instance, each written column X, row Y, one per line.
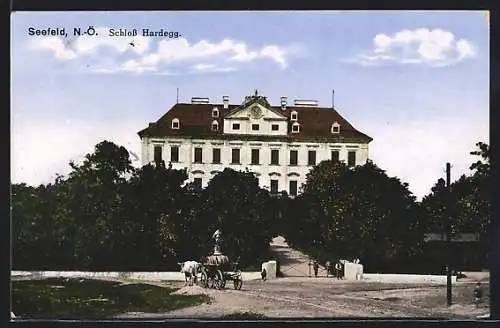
column 280, row 144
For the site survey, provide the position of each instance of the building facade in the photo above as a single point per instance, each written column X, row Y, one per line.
column 280, row 144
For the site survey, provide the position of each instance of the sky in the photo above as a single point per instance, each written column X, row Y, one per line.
column 416, row 82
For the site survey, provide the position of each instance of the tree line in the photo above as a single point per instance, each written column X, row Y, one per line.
column 363, row 213
column 107, row 215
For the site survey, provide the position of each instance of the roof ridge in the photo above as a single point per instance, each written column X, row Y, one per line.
column 197, row 118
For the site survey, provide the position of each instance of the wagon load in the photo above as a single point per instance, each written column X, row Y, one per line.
column 219, row 260
column 216, row 269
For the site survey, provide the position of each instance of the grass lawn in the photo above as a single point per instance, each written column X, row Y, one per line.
column 57, row 298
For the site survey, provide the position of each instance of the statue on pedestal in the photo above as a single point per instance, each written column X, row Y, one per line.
column 217, row 236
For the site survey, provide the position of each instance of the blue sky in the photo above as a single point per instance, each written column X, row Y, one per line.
column 417, row 82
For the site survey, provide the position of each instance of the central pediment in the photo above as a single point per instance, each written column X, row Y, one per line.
column 255, row 108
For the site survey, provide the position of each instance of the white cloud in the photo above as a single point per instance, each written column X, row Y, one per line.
column 421, row 46
column 145, row 59
column 209, row 68
column 56, row 46
column 181, row 50
column 417, row 151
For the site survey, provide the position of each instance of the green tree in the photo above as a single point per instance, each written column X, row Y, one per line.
column 234, row 202
column 90, row 207
column 156, row 204
column 359, row 212
column 465, row 206
column 480, row 201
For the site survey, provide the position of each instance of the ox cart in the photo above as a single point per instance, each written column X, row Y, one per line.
column 217, row 270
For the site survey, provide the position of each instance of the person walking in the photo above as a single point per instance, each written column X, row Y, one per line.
column 478, row 294
column 338, row 268
column 316, row 267
column 328, row 268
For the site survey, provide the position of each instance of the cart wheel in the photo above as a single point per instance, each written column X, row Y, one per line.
column 223, row 281
column 203, row 282
column 219, row 280
column 237, row 284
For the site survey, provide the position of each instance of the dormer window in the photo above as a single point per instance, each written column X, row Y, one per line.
column 295, row 127
column 215, row 112
column 335, row 127
column 215, row 126
column 175, row 123
column 294, row 116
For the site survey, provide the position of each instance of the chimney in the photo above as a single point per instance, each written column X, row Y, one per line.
column 283, row 103
column 305, row 103
column 199, row 100
column 225, row 100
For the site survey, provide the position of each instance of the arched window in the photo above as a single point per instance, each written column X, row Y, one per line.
column 175, row 123
column 215, row 112
column 335, row 127
column 215, row 125
column 295, row 127
column 294, row 116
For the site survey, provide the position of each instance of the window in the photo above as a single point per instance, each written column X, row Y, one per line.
column 255, row 127
column 335, row 127
column 335, row 156
column 158, row 154
column 275, row 157
column 351, row 158
column 216, row 155
column 174, row 154
column 275, row 127
column 293, row 188
column 274, row 186
column 236, row 126
column 235, row 156
column 215, row 112
column 198, row 182
column 293, row 157
column 294, row 116
column 311, row 157
column 255, row 156
column 295, row 127
column 175, row 123
column 215, row 126
column 198, row 155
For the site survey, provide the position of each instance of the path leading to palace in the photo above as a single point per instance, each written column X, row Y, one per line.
column 298, row 295
column 293, row 262
column 327, row 297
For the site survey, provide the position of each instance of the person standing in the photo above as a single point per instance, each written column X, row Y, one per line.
column 316, row 267
column 338, row 268
column 328, row 268
column 478, row 294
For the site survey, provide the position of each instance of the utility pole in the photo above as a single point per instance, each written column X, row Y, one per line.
column 448, row 235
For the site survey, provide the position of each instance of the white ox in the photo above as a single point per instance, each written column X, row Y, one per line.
column 190, row 270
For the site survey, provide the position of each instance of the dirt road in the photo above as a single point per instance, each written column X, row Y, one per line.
column 327, row 297
column 297, row 295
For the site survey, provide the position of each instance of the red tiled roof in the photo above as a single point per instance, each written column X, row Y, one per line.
column 196, row 121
